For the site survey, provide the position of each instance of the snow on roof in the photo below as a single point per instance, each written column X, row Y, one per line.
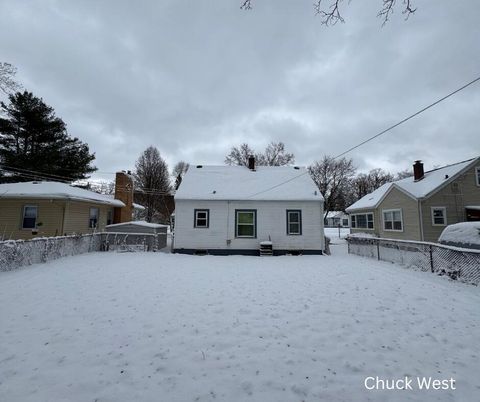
column 54, row 190
column 139, row 223
column 334, row 214
column 372, row 199
column 280, row 183
column 464, row 234
column 138, row 206
column 431, row 181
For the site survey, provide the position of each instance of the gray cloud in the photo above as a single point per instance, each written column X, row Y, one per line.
column 195, row 78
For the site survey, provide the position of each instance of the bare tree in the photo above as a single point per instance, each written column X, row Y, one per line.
column 332, row 178
column 330, row 14
column 7, row 83
column 239, row 155
column 403, row 174
column 152, row 184
column 179, row 171
column 364, row 184
column 274, row 155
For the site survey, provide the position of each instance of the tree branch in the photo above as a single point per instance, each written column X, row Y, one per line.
column 247, row 5
column 388, row 6
column 330, row 16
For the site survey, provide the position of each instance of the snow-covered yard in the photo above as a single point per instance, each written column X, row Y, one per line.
column 163, row 327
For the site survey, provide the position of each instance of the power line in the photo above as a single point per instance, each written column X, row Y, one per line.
column 377, row 135
column 409, row 117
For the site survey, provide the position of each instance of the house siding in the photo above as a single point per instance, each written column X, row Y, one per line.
column 78, row 217
column 51, row 214
column 271, row 224
column 396, row 199
column 455, row 196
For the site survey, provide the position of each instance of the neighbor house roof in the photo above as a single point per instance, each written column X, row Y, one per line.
column 431, row 182
column 54, row 190
column 279, row 183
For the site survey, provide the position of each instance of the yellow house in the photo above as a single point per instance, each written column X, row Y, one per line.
column 42, row 208
column 421, row 206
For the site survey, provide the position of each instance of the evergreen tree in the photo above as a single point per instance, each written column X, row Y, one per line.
column 33, row 141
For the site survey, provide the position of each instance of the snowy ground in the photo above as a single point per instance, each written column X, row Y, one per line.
column 164, row 327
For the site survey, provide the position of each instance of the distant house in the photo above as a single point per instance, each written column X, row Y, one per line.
column 233, row 209
column 419, row 207
column 337, row 218
column 44, row 208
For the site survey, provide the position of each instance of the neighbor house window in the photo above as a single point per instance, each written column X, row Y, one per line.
column 393, row 220
column 246, row 223
column 93, row 222
column 109, row 217
column 345, row 222
column 294, row 222
column 201, row 218
column 362, row 221
column 439, row 216
column 477, row 175
column 29, row 217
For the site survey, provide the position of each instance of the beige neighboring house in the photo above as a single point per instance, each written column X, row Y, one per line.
column 45, row 208
column 421, row 206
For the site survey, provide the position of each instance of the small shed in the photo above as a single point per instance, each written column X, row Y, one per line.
column 141, row 228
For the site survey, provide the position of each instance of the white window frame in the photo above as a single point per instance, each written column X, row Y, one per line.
column 90, row 218
column 477, row 175
column 253, row 225
column 23, row 216
column 444, row 209
column 385, row 211
column 206, row 219
column 356, row 221
column 289, row 222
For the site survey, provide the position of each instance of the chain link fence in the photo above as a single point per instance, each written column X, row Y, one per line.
column 458, row 263
column 18, row 253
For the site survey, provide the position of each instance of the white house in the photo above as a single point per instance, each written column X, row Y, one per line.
column 232, row 209
column 336, row 218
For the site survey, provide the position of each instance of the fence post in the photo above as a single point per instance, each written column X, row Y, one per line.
column 378, row 249
column 431, row 257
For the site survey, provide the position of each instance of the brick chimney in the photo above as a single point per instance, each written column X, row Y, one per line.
column 124, row 193
column 418, row 172
column 251, row 162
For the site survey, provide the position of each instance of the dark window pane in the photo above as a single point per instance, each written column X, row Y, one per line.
column 294, row 217
column 245, row 217
column 294, row 228
column 388, row 225
column 245, row 230
column 397, row 225
column 29, row 217
column 361, row 221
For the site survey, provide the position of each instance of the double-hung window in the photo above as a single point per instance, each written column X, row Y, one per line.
column 362, row 221
column 477, row 175
column 245, row 223
column 439, row 216
column 29, row 219
column 93, row 220
column 393, row 220
column 201, row 219
column 294, row 222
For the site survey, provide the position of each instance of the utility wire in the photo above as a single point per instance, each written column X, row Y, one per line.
column 409, row 117
column 379, row 134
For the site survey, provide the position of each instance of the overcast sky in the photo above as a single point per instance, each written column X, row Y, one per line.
column 194, row 78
